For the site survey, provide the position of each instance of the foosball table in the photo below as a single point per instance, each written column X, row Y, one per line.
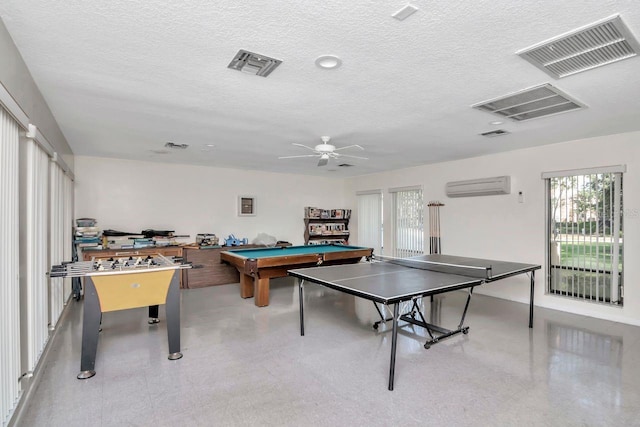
column 121, row 283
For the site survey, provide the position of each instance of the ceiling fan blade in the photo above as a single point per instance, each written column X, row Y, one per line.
column 304, row 146
column 353, row 157
column 349, row 146
column 294, row 157
column 323, row 161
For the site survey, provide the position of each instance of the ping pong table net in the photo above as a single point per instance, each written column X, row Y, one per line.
column 480, row 272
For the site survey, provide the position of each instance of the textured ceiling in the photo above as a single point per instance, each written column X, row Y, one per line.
column 123, row 77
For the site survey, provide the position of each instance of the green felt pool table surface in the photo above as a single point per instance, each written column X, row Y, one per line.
column 257, row 266
column 293, row 250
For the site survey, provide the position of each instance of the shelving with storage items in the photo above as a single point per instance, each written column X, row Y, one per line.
column 326, row 226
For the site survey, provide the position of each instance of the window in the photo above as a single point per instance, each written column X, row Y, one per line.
column 584, row 233
column 370, row 220
column 408, row 221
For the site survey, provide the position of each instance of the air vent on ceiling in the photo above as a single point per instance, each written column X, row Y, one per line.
column 345, row 165
column 538, row 101
column 253, row 63
column 494, row 133
column 601, row 43
column 176, row 146
column 405, row 12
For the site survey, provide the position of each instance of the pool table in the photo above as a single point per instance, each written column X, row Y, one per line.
column 257, row 266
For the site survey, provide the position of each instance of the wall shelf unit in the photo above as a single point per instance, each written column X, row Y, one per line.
column 326, row 226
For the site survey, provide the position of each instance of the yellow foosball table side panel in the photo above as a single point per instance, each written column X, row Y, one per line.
column 125, row 291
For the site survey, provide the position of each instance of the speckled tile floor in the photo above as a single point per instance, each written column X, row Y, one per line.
column 247, row 366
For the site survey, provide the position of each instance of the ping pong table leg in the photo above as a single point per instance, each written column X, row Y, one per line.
column 533, row 281
column 301, row 291
column 394, row 340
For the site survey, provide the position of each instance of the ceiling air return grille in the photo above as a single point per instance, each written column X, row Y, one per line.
column 175, row 146
column 253, row 63
column 494, row 133
column 594, row 45
column 539, row 101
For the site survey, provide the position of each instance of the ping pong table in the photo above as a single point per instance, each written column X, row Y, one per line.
column 405, row 281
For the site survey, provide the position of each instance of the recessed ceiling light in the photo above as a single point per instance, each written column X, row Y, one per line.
column 495, row 123
column 328, row 62
column 209, row 145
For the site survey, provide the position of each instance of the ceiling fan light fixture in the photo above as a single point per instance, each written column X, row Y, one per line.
column 328, row 62
column 325, row 148
column 325, row 151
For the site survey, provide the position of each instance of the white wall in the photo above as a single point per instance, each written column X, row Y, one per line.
column 499, row 227
column 133, row 196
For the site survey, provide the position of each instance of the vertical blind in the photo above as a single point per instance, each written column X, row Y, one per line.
column 56, row 240
column 32, row 221
column 67, row 230
column 408, row 221
column 36, row 226
column 9, row 261
column 370, row 220
column 585, row 234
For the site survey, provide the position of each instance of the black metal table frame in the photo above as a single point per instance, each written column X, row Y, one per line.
column 407, row 317
column 436, row 332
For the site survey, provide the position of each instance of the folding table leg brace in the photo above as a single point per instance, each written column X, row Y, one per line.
column 441, row 332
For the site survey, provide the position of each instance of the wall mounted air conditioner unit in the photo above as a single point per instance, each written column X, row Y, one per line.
column 479, row 187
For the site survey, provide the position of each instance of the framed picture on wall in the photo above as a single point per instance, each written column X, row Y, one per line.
column 246, row 206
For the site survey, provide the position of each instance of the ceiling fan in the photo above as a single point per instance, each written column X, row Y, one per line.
column 326, row 151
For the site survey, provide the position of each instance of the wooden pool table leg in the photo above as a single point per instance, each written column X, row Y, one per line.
column 262, row 292
column 246, row 286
